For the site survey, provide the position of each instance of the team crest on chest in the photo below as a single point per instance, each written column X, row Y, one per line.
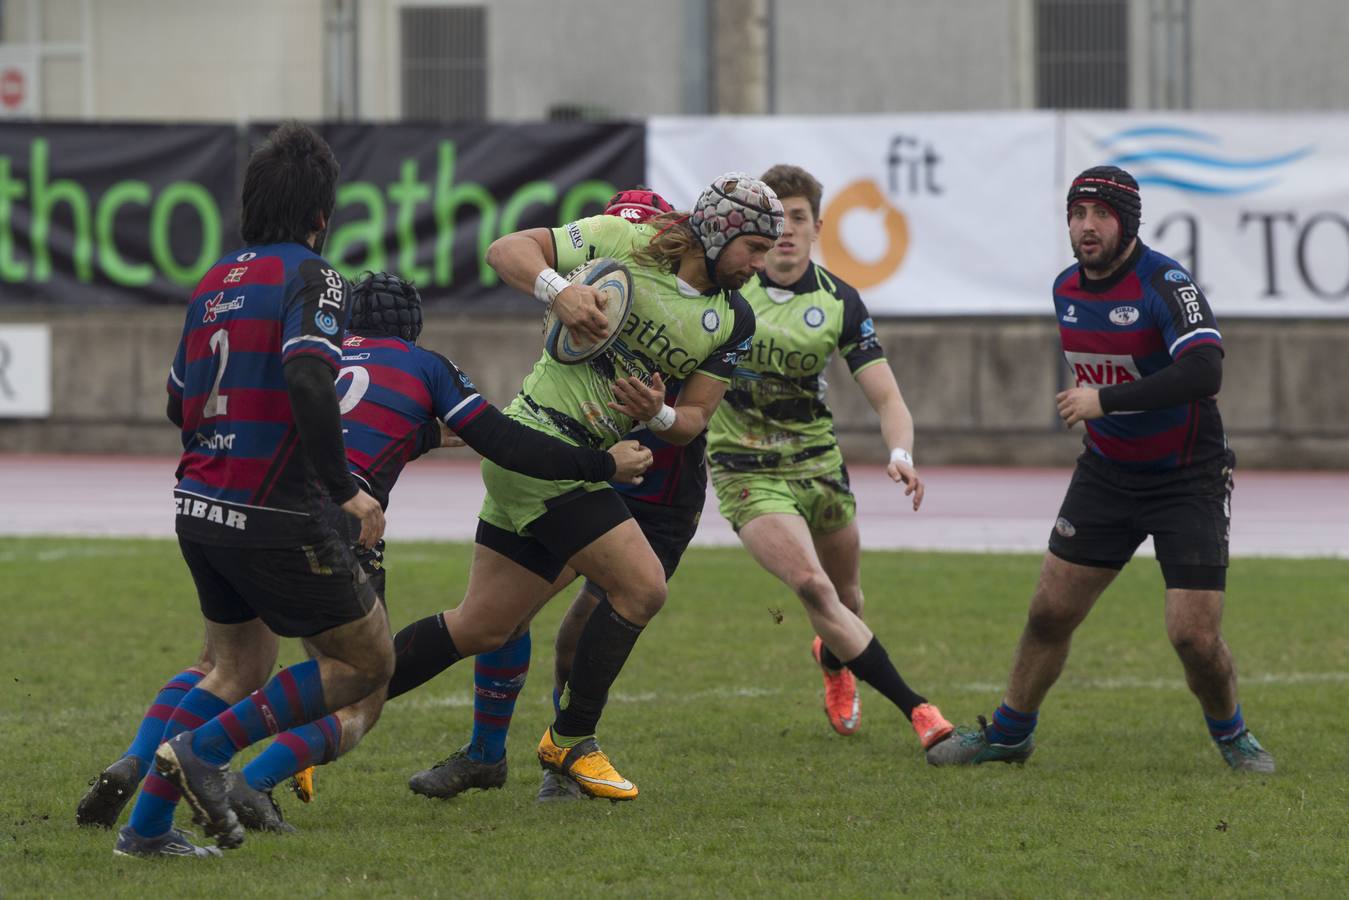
column 711, row 321
column 814, row 317
column 1124, row 315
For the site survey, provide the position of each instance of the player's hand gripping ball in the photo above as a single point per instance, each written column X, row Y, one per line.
column 611, row 278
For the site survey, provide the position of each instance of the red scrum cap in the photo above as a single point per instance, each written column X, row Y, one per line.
column 636, row 205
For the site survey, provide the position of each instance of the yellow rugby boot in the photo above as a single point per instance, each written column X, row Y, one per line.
column 302, row 783
column 586, row 764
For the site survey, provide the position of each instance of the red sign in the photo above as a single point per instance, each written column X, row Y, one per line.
column 12, row 88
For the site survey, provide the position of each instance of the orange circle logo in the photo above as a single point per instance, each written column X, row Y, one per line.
column 840, row 260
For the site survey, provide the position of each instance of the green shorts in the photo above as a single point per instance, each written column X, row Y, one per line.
column 514, row 500
column 825, row 502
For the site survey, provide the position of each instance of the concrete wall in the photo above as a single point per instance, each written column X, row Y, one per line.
column 264, row 59
column 982, row 391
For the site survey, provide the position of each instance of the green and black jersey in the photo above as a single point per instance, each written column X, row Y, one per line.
column 671, row 328
column 774, row 419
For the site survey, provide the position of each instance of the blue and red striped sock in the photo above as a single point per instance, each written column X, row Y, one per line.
column 1010, row 726
column 497, row 679
column 315, row 744
column 1226, row 729
column 293, row 697
column 153, row 813
column 151, row 733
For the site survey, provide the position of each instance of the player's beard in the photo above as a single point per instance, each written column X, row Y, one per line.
column 1100, row 259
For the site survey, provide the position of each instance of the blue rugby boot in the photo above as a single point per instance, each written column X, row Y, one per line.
column 1244, row 754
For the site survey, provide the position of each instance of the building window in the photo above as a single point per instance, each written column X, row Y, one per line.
column 444, row 63
column 1081, row 54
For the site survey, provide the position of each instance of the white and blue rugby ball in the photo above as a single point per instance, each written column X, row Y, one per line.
column 611, row 278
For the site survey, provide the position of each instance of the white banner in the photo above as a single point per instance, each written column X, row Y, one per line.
column 18, row 83
column 1255, row 206
column 25, row 371
column 933, row 214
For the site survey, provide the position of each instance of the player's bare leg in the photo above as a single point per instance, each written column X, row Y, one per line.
column 1194, row 625
column 784, row 546
column 1064, row 595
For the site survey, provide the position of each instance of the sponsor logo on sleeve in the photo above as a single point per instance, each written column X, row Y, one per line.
column 574, row 232
column 1176, row 276
column 235, row 275
column 326, row 322
column 1189, row 298
column 1124, row 315
column 1070, row 314
column 245, row 257
column 868, row 327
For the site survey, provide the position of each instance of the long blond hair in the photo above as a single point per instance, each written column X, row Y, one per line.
column 673, row 239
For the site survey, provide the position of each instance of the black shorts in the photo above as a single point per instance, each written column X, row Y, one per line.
column 668, row 530
column 572, row 522
column 296, row 591
column 348, row 529
column 1108, row 512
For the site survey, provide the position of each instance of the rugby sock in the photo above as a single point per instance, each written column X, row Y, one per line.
column 605, row 643
column 423, row 650
column 1226, row 729
column 151, row 733
column 153, row 813
column 293, row 697
column 497, row 679
column 829, row 660
column 874, row 667
column 1010, row 726
column 315, row 744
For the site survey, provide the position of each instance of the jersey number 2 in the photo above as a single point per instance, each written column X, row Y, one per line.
column 216, row 402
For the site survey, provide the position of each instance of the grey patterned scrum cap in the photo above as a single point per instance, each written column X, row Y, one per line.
column 735, row 204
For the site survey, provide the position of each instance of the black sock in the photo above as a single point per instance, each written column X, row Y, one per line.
column 829, row 660
column 605, row 643
column 874, row 667
column 422, row 651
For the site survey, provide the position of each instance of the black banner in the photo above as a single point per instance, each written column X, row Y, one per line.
column 108, row 214
column 104, row 214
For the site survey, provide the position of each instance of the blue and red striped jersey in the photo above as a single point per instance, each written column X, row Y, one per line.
column 1126, row 327
column 678, row 473
column 389, row 388
column 243, row 478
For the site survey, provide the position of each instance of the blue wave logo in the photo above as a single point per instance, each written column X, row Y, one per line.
column 1194, row 161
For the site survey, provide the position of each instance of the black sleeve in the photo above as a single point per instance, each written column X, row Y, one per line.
column 522, row 449
column 313, row 403
column 175, row 410
column 1195, row 375
column 428, row 439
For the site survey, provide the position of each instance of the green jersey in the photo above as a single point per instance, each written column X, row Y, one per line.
column 774, row 419
column 671, row 328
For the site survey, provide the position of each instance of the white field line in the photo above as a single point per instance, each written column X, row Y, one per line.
column 1271, row 679
column 464, row 699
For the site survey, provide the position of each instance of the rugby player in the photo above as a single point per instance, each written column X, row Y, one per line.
column 687, row 321
column 1145, row 350
column 252, row 386
column 398, row 400
column 776, row 464
column 666, row 505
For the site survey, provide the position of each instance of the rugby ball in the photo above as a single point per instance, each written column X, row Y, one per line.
column 611, row 278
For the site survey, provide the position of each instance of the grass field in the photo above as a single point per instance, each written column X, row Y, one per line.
column 745, row 790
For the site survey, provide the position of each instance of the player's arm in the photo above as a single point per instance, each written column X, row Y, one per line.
column 511, row 445
column 678, row 424
column 174, row 386
column 525, row 261
column 882, row 392
column 317, row 308
column 1195, row 375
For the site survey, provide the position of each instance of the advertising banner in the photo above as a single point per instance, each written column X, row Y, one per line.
column 25, row 371
column 940, row 214
column 1255, row 206
column 426, row 201
column 109, row 214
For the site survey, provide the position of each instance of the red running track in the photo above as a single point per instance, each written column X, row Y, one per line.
column 973, row 509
